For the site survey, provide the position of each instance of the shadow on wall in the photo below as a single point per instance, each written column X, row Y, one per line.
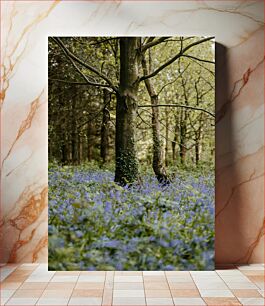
column 223, row 140
column 231, row 224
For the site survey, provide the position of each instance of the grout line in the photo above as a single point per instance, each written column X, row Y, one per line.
column 145, row 298
column 73, row 288
column 112, row 290
column 169, row 288
column 102, row 297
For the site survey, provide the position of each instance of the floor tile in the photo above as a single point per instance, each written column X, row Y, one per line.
column 211, row 285
column 34, row 286
column 53, row 301
column 64, row 279
column 22, row 301
column 177, row 273
column 56, row 294
column 250, row 267
column 128, row 293
column 28, row 293
column 251, row 301
column 97, row 273
column 203, row 273
column 88, row 285
column 151, row 273
column 60, row 286
column 85, row 301
column 246, row 293
column 87, row 293
column 156, row 285
column 188, row 301
column 253, row 272
column 3, row 300
column 241, row 285
column 30, row 284
column 16, row 278
column 215, row 301
column 123, row 301
column 128, row 273
column 28, row 266
column 216, row 293
column 39, row 278
column 179, row 279
column 6, row 293
column 129, row 286
column 159, row 301
column 107, row 297
column 235, row 278
column 9, row 285
column 232, row 272
column 183, row 293
column 5, row 272
column 67, row 273
column 182, row 286
column 157, row 293
column 261, row 292
column 256, row 278
column 154, row 278
column 260, row 285
column 128, row 279
column 91, row 278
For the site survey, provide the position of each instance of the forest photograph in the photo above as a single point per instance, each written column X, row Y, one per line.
column 131, row 129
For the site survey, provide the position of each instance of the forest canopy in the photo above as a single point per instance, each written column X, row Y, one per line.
column 154, row 95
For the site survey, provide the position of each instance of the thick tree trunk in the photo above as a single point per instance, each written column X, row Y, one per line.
column 104, row 133
column 126, row 170
column 158, row 166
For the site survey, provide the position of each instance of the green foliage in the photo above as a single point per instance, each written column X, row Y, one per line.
column 96, row 224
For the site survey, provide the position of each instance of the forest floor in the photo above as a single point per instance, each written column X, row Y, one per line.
column 94, row 224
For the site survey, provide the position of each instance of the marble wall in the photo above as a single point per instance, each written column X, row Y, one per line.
column 238, row 28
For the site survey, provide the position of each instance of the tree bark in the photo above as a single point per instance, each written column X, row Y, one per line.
column 90, row 141
column 74, row 134
column 167, row 140
column 126, row 170
column 104, row 133
column 158, row 164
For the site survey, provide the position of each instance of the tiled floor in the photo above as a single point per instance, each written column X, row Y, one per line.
column 33, row 284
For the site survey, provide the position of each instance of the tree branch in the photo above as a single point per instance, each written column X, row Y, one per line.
column 199, row 59
column 95, row 116
column 73, row 58
column 173, row 59
column 182, row 106
column 153, row 43
column 78, row 83
column 164, row 86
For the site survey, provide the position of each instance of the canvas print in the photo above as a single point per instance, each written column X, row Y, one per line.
column 131, row 153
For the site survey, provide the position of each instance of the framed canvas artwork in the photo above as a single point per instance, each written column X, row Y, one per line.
column 131, row 153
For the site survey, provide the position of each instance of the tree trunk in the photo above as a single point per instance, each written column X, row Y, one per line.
column 74, row 134
column 183, row 131
column 89, row 141
column 197, row 152
column 167, row 135
column 104, row 133
column 158, row 166
column 126, row 170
